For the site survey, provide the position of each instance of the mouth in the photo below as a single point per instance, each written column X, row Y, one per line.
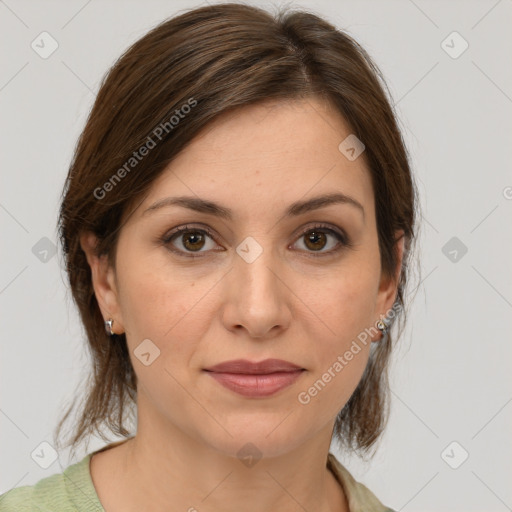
column 246, row 367
column 255, row 380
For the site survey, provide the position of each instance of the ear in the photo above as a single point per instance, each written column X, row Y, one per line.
column 103, row 281
column 388, row 285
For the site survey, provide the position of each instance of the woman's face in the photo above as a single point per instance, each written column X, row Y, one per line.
column 255, row 284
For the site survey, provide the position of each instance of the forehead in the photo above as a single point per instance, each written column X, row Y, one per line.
column 267, row 156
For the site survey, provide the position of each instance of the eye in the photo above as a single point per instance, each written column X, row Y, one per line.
column 191, row 240
column 316, row 238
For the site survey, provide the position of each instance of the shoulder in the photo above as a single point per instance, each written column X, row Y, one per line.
column 69, row 491
column 48, row 493
column 359, row 497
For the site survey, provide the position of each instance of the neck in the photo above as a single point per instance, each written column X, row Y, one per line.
column 183, row 475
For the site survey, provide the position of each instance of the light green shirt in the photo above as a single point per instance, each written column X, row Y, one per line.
column 73, row 491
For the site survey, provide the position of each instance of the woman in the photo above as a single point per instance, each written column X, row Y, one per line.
column 237, row 223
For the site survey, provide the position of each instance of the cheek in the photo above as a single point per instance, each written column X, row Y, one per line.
column 343, row 301
column 165, row 307
column 152, row 298
column 339, row 358
column 344, row 306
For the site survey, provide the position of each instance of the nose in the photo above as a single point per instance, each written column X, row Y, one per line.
column 257, row 298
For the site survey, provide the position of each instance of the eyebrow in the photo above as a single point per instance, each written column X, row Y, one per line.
column 212, row 208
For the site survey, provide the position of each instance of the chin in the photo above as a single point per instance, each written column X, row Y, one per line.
column 261, row 438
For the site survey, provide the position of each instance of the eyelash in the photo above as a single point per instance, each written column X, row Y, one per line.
column 344, row 241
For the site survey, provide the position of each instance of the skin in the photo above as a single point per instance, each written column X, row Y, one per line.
column 287, row 304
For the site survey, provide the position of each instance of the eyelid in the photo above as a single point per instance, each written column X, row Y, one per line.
column 168, row 236
column 326, row 227
column 343, row 239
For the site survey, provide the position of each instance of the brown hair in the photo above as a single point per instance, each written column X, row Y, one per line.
column 215, row 59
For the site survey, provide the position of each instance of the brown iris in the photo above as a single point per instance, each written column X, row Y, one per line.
column 313, row 238
column 197, row 240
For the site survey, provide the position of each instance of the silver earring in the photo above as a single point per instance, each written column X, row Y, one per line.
column 383, row 327
column 108, row 326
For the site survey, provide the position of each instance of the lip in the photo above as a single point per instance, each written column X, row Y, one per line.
column 255, row 379
column 244, row 366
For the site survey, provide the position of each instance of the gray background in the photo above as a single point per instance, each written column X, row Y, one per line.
column 450, row 377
